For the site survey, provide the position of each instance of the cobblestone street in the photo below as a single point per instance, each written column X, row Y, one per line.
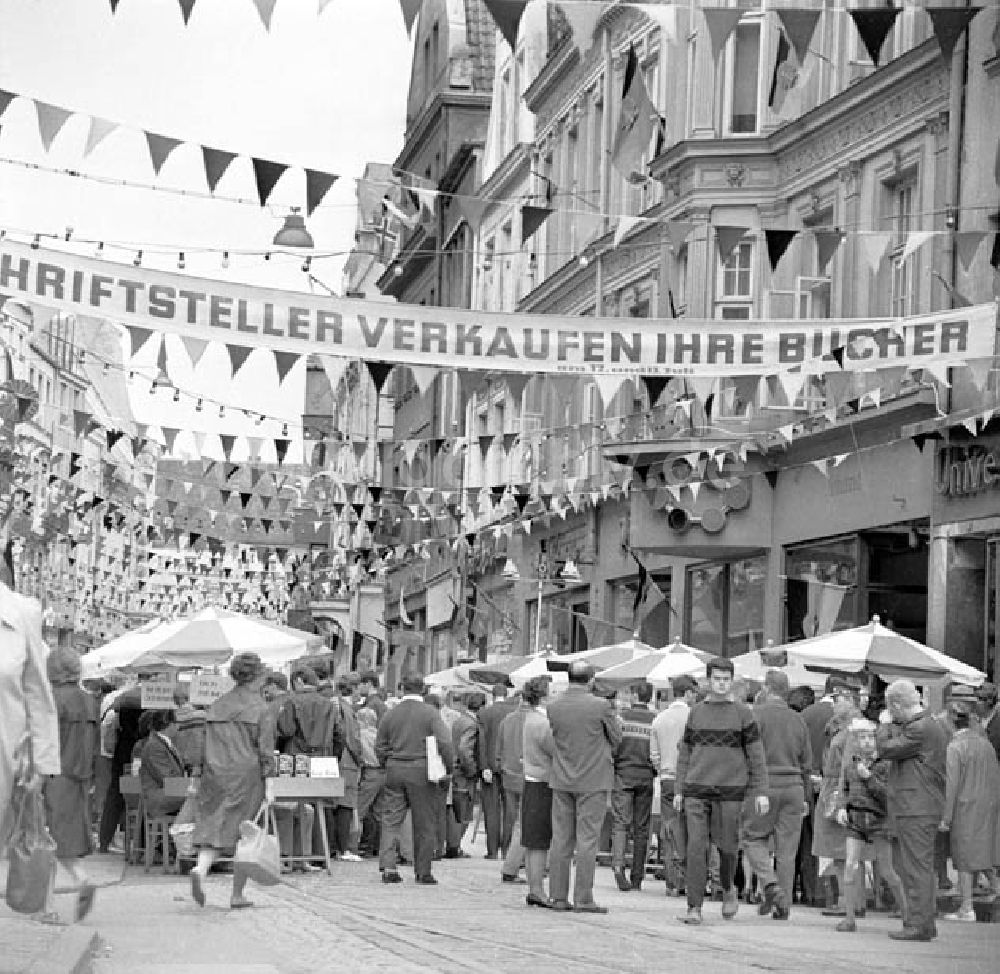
column 472, row 922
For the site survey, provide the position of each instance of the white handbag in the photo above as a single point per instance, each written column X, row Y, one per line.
column 435, row 766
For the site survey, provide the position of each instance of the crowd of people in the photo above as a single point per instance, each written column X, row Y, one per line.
column 766, row 795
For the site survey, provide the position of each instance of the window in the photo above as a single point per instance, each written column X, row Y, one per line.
column 724, row 605
column 734, row 290
column 904, row 272
column 744, row 79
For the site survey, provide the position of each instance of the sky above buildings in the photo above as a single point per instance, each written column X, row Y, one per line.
column 325, row 91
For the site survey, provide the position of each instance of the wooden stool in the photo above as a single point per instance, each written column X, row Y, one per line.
column 158, row 829
column 131, row 792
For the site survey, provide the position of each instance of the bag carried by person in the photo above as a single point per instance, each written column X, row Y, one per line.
column 257, row 853
column 32, row 855
column 435, row 765
column 182, row 828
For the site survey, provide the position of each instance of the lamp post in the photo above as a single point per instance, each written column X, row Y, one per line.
column 543, row 571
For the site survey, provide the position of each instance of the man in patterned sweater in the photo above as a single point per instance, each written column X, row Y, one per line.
column 720, row 760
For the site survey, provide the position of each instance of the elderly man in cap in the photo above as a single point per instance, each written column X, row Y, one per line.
column 915, row 746
column 585, row 734
column 788, row 756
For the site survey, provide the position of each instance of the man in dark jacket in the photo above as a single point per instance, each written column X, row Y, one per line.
column 309, row 722
column 401, row 747
column 491, row 795
column 585, row 734
column 632, row 797
column 916, row 746
column 465, row 741
column 788, row 755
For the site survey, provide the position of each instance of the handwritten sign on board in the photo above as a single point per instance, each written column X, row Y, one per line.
column 206, row 688
column 157, row 695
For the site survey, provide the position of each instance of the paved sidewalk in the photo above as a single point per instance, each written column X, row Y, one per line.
column 30, row 947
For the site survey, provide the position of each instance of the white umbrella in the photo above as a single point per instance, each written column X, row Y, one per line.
column 603, row 657
column 753, row 666
column 534, row 666
column 453, row 678
column 657, row 668
column 879, row 650
column 119, row 652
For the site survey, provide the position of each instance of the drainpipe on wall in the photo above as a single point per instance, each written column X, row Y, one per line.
column 956, row 137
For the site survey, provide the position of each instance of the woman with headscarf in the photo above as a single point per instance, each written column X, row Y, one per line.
column 67, row 807
column 829, row 836
column 27, row 707
column 239, row 755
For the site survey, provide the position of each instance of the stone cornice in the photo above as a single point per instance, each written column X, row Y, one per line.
column 497, row 184
column 879, row 109
column 563, row 58
column 417, row 133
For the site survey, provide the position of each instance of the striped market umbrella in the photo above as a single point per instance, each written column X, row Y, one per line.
column 602, row 657
column 874, row 648
column 657, row 668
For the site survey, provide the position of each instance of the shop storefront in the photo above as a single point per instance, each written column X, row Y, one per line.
column 964, row 613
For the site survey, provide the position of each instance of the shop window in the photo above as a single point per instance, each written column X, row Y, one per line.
column 820, row 587
column 734, row 283
column 724, row 605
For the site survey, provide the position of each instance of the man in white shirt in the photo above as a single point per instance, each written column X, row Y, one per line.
column 665, row 739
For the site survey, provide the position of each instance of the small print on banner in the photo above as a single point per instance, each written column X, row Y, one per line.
column 320, row 767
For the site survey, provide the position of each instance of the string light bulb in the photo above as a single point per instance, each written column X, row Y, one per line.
column 153, row 387
column 284, row 429
column 137, row 260
column 306, row 264
column 199, row 405
column 180, row 261
column 36, row 242
column 69, row 233
column 177, row 395
column 222, row 412
column 225, row 259
column 99, row 249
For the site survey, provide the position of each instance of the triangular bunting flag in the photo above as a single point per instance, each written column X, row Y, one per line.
column 777, row 244
column 967, row 244
column 678, row 231
column 423, row 376
column 238, row 354
column 137, row 338
column 266, row 174
column 915, row 239
column 51, row 119
column 472, row 209
column 772, row 478
column 532, row 217
column 317, row 184
column 6, row 97
column 515, row 382
column 721, row 22
column 228, row 441
column 938, row 371
column 334, row 368
column 508, row 442
column 626, row 224
column 608, row 385
column 799, row 25
column 827, row 242
column 169, row 438
column 728, row 237
column 582, row 18
column 980, row 369
column 470, row 381
column 160, row 146
column 507, row 15
column 100, row 128
column 265, row 8
column 949, row 22
column 186, row 7
column 873, row 26
column 873, row 245
column 379, row 371
column 283, row 362
column 195, row 348
column 216, row 164
column 655, row 384
column 820, row 465
column 410, row 10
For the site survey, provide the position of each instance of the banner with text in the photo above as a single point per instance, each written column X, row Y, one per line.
column 250, row 316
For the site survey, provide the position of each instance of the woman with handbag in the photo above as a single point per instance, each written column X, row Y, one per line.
column 239, row 755
column 67, row 806
column 27, row 706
